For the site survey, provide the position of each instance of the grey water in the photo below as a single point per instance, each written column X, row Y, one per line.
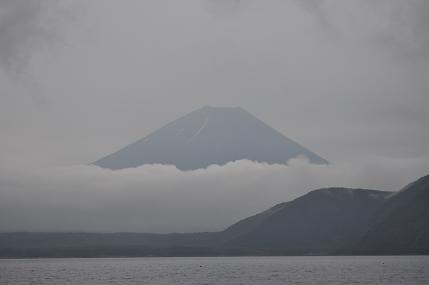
column 219, row 270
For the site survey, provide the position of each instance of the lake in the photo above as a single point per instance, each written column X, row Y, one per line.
column 219, row 270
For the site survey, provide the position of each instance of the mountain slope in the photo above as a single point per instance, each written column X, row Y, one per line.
column 210, row 135
column 320, row 222
column 402, row 223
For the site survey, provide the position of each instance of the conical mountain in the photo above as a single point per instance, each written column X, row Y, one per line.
column 210, row 135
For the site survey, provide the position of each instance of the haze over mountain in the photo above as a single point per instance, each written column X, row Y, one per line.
column 206, row 136
column 324, row 221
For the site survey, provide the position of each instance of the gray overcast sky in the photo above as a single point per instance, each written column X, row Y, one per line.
column 83, row 78
column 349, row 79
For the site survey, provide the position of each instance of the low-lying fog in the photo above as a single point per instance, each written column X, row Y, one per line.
column 157, row 198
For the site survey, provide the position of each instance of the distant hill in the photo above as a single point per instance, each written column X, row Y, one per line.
column 210, row 135
column 326, row 221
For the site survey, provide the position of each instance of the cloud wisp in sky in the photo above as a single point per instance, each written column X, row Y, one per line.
column 27, row 27
column 400, row 26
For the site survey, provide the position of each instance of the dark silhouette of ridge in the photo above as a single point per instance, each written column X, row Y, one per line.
column 322, row 221
column 401, row 224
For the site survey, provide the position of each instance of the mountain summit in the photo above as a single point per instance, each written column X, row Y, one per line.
column 206, row 136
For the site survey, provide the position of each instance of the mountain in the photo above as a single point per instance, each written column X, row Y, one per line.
column 327, row 221
column 320, row 222
column 401, row 225
column 341, row 221
column 210, row 135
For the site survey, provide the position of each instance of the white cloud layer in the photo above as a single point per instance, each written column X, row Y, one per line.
column 157, row 198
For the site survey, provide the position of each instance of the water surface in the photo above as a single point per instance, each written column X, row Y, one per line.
column 219, row 270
